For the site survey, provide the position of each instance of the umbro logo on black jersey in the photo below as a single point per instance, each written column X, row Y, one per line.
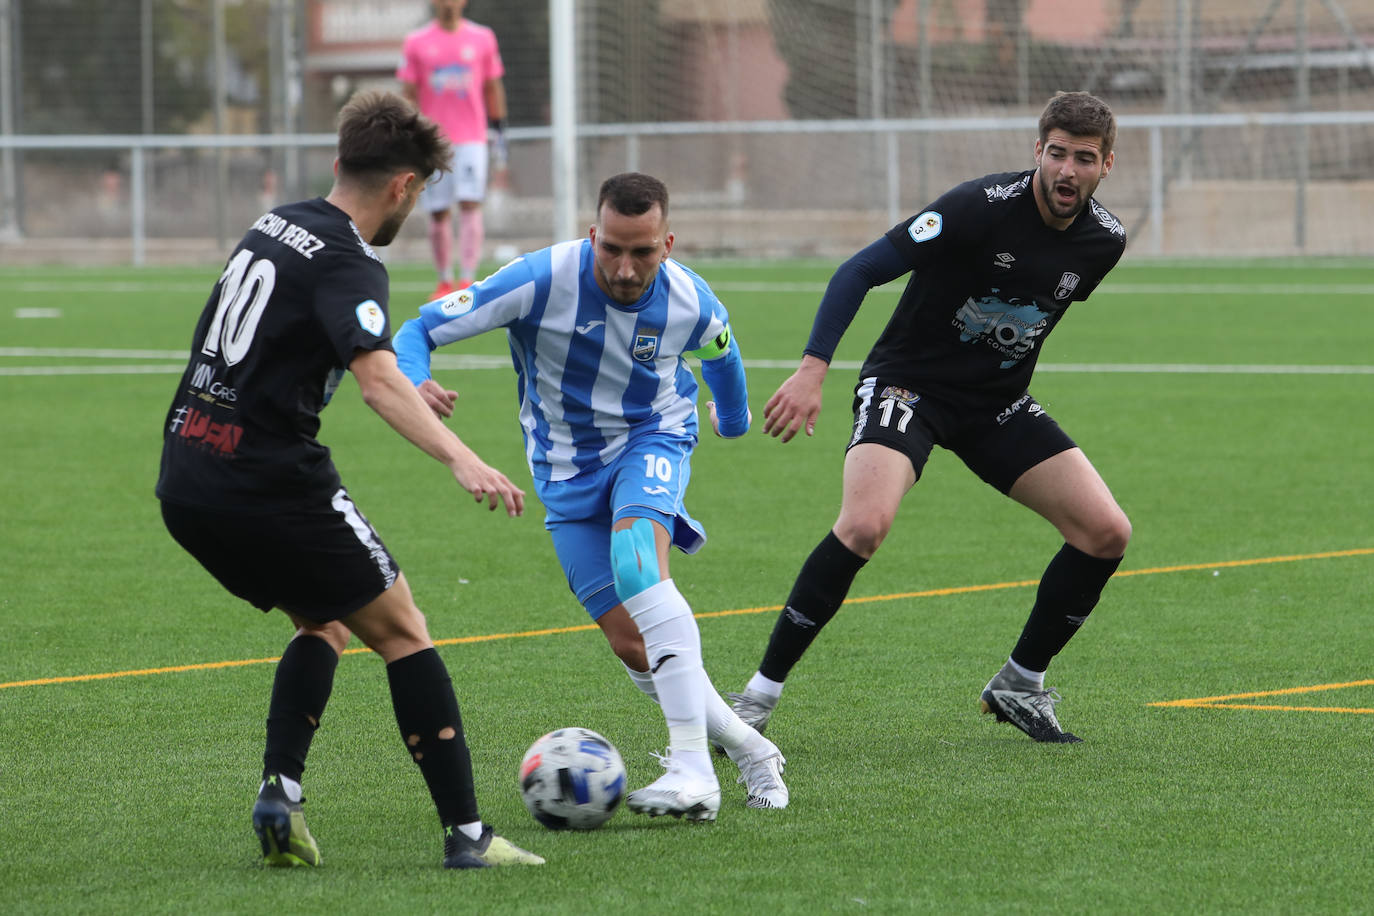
column 1003, row 260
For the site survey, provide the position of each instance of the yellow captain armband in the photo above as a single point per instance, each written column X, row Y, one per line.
column 718, row 347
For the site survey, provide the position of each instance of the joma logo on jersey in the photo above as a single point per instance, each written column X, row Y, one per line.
column 646, row 345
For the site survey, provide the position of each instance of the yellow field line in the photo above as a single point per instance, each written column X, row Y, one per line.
column 1185, row 703
column 897, row 596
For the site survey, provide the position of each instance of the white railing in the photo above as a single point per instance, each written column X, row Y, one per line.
column 1167, row 140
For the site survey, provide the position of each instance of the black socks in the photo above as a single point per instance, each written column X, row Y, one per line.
column 1069, row 590
column 817, row 594
column 300, row 690
column 432, row 729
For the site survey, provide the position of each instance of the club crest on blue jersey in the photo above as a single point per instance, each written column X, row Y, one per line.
column 646, row 346
column 371, row 317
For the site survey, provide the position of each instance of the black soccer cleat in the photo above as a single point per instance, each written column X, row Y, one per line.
column 488, row 851
column 279, row 823
column 1029, row 709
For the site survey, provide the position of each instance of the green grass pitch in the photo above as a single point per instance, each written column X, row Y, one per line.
column 1227, row 405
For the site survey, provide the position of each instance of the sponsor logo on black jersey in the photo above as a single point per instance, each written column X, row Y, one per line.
column 1003, row 260
column 1010, row 328
column 210, row 388
column 1008, row 191
column 1034, row 409
column 198, row 429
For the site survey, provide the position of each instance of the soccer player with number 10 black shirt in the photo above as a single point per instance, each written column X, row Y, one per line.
column 250, row 492
column 995, row 263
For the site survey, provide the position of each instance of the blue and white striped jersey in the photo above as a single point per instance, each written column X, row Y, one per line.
column 592, row 372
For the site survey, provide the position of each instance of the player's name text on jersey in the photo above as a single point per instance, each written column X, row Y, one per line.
column 289, row 234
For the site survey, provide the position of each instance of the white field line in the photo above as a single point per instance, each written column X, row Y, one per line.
column 473, row 361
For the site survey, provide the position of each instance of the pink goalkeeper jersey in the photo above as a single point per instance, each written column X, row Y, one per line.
column 450, row 71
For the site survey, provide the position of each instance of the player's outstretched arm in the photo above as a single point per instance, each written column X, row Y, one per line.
column 797, row 402
column 387, row 391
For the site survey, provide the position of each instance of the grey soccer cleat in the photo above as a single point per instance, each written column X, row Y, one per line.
column 753, row 707
column 1028, row 708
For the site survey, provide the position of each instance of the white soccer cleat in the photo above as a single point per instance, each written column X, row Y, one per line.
column 761, row 774
column 677, row 792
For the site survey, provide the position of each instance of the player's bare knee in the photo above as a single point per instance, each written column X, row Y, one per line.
column 631, row 652
column 863, row 535
column 1108, row 537
column 448, row 733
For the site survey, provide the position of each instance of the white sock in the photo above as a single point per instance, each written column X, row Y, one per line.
column 644, row 681
column 723, row 726
column 472, row 831
column 697, row 763
column 1036, row 678
column 288, row 785
column 673, row 645
column 766, row 686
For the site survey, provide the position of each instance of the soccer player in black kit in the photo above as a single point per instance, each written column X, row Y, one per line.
column 248, row 490
column 995, row 263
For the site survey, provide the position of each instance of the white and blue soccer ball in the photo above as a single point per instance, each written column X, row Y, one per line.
column 572, row 779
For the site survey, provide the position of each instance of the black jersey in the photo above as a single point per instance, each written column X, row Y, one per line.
column 300, row 295
column 990, row 282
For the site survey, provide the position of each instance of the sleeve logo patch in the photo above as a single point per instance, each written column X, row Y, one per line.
column 926, row 226
column 459, row 303
column 371, row 317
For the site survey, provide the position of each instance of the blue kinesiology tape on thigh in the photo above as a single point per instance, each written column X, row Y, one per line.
column 634, row 558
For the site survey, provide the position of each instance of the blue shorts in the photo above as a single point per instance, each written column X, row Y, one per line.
column 646, row 480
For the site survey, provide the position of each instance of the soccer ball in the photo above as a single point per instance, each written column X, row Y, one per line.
column 572, row 779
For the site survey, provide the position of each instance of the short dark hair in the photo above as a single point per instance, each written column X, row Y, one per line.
column 633, row 193
column 381, row 134
column 1079, row 114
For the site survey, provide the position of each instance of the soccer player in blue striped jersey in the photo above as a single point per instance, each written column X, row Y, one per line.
column 599, row 329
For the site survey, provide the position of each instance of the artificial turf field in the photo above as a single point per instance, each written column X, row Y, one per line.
column 1224, row 687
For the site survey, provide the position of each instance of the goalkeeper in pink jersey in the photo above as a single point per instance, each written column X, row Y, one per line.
column 451, row 68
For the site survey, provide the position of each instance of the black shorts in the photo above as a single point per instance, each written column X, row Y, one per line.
column 999, row 445
column 320, row 562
